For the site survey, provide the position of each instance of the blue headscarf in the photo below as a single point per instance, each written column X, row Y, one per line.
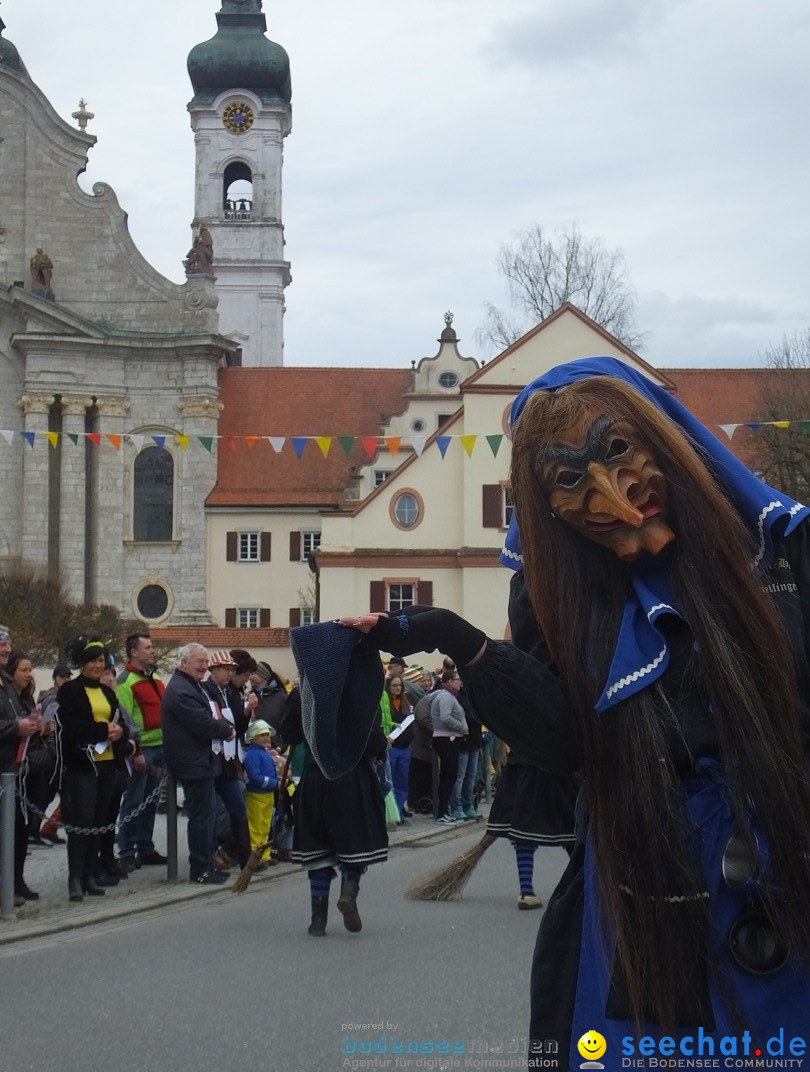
column 641, row 654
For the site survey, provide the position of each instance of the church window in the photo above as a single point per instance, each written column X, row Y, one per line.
column 153, row 496
column 152, row 602
column 238, row 192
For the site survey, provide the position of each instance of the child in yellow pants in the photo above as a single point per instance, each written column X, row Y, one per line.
column 262, row 778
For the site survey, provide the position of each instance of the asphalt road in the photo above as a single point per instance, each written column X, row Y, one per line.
column 231, row 983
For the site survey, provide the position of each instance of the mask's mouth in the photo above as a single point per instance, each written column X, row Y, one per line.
column 652, row 507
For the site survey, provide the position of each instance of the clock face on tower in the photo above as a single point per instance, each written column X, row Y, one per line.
column 237, row 117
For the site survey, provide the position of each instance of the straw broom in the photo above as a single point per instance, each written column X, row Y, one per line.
column 447, row 884
column 250, row 868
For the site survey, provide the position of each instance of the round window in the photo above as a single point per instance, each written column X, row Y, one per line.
column 153, row 601
column 448, row 379
column 418, row 424
column 406, row 510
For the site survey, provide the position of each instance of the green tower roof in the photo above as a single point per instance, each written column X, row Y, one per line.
column 239, row 56
column 9, row 56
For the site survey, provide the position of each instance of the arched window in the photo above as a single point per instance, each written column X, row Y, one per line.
column 153, row 496
column 238, row 191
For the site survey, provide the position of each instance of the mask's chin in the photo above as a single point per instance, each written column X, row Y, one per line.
column 651, row 540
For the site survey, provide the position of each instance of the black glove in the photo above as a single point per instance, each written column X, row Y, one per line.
column 425, row 628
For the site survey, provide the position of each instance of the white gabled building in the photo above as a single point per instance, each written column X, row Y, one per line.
column 432, row 532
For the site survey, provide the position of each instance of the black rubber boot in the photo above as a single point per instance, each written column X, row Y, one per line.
column 320, row 910
column 75, row 891
column 76, row 849
column 347, row 903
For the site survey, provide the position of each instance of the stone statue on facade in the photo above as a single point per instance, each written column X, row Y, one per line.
column 200, row 258
column 41, row 274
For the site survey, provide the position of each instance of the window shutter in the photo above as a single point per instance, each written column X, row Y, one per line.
column 424, row 593
column 295, row 547
column 492, row 512
column 377, row 596
column 264, row 618
column 230, row 546
column 295, row 617
column 230, row 617
column 266, row 542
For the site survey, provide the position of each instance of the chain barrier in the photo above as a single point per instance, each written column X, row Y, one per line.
column 91, row 831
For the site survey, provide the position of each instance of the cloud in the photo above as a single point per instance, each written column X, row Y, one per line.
column 579, row 30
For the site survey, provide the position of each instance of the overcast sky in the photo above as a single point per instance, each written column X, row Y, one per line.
column 425, row 133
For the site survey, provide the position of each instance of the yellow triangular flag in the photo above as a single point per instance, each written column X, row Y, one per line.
column 52, row 437
column 468, row 442
column 182, row 440
column 781, row 424
column 324, row 442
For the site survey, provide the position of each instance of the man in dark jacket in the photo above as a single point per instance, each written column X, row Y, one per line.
column 14, row 725
column 190, row 730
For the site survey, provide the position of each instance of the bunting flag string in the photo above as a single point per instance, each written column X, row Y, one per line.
column 371, row 445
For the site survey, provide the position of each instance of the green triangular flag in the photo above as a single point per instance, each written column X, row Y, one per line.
column 207, row 441
column 346, row 442
column 74, row 438
column 494, row 444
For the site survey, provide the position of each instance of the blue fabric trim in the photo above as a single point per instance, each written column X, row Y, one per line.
column 641, row 653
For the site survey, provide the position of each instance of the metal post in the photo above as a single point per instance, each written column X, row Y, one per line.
column 171, row 828
column 7, row 807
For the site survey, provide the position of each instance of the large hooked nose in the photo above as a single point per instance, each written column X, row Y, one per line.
column 609, row 494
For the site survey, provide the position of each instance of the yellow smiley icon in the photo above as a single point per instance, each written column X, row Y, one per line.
column 592, row 1046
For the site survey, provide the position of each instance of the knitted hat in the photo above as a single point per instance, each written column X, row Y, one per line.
column 264, row 670
column 257, row 728
column 220, row 658
column 341, row 684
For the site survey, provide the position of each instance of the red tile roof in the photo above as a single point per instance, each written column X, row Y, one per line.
column 737, row 396
column 215, row 637
column 299, row 402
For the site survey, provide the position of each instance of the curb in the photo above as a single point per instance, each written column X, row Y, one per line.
column 165, row 894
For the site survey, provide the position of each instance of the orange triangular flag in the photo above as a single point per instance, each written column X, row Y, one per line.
column 115, row 440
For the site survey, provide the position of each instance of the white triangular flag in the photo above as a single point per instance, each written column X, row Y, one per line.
column 418, row 443
column 8, row 436
column 276, row 442
column 137, row 441
column 729, row 429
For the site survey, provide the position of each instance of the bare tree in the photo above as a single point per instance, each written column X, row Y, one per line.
column 42, row 617
column 783, row 454
column 542, row 273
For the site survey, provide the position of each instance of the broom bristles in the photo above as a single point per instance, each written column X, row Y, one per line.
column 246, row 874
column 447, row 884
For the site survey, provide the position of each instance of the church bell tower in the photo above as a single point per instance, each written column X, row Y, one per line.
column 240, row 115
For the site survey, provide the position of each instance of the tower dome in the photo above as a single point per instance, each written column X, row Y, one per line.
column 9, row 56
column 239, row 56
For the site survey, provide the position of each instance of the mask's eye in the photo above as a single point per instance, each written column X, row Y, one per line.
column 616, row 449
column 567, row 478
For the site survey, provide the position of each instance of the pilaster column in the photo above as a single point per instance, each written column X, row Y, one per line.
column 110, row 501
column 199, row 415
column 35, row 407
column 73, row 494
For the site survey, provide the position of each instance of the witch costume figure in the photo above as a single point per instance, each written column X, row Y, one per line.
column 671, row 594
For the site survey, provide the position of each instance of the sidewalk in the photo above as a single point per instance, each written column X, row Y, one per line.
column 147, row 888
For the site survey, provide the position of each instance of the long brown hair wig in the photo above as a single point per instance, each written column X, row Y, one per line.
column 649, row 878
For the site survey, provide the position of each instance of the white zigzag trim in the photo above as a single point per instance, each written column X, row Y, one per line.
column 511, row 554
column 761, row 529
column 636, row 675
column 796, row 508
column 659, row 606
